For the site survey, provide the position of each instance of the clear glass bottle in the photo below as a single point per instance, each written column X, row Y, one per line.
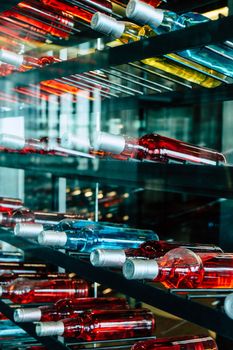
column 187, row 342
column 154, row 147
column 67, row 308
column 26, row 291
column 147, row 250
column 95, row 236
column 217, row 57
column 91, row 325
column 126, row 32
column 182, row 268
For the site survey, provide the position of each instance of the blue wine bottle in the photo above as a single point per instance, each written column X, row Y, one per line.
column 32, row 230
column 218, row 57
column 97, row 235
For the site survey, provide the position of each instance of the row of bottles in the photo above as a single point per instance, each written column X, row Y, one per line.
column 150, row 147
column 46, row 21
column 174, row 64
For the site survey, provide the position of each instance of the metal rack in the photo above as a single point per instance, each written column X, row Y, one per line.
column 151, row 176
column 215, row 31
column 165, row 300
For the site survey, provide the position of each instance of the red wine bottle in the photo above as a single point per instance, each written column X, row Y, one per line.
column 182, row 268
column 9, row 276
column 147, row 250
column 25, row 291
column 187, row 342
column 9, row 204
column 154, row 147
column 102, row 325
column 67, row 308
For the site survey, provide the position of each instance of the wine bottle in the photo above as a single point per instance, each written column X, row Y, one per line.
column 91, row 325
column 95, row 236
column 49, row 24
column 9, row 276
column 25, row 291
column 147, row 250
column 67, row 308
column 187, row 342
column 27, row 215
column 126, row 32
column 24, row 62
column 32, row 230
column 182, row 268
column 10, row 203
column 217, row 57
column 154, row 147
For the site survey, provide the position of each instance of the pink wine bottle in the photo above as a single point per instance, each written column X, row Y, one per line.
column 154, row 147
column 25, row 291
column 187, row 342
column 182, row 268
column 102, row 325
column 27, row 215
column 67, row 308
column 147, row 250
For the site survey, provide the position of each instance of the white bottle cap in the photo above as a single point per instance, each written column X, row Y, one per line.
column 52, row 238
column 107, row 25
column 44, row 329
column 144, row 13
column 107, row 257
column 140, row 269
column 1, row 291
column 1, row 217
column 108, row 142
column 75, row 142
column 28, row 230
column 228, row 305
column 31, row 314
column 12, row 141
column 12, row 58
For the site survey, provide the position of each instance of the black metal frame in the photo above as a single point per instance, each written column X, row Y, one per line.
column 166, row 177
column 192, row 311
column 201, row 34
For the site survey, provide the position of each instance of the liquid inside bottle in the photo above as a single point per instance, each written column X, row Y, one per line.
column 96, row 236
column 25, row 291
column 157, row 148
column 147, row 250
column 182, row 268
column 68, row 308
column 188, row 342
column 102, row 325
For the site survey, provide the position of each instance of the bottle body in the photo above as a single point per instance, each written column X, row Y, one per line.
column 195, row 342
column 147, row 250
column 182, row 268
column 28, row 216
column 68, row 308
column 26, row 291
column 102, row 325
column 10, row 203
column 157, row 148
column 96, row 236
